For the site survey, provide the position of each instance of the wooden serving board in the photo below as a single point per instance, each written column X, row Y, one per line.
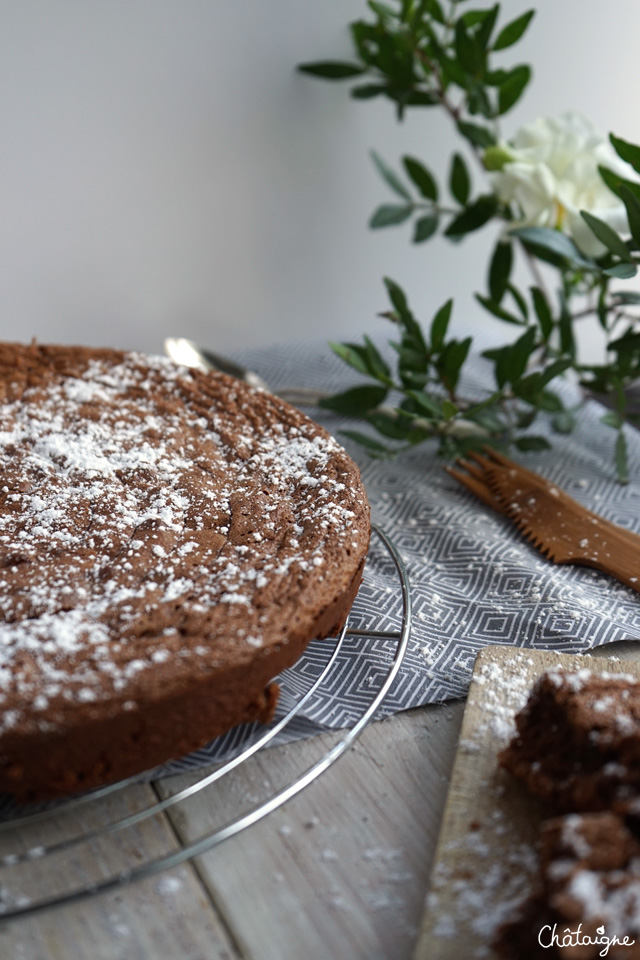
column 485, row 859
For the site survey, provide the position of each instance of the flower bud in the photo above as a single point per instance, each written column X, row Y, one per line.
column 495, row 157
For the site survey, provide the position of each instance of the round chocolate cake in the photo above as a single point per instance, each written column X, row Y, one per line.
column 170, row 540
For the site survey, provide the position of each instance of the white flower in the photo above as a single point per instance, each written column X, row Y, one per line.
column 550, row 172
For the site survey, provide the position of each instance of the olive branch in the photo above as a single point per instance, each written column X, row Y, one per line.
column 419, row 55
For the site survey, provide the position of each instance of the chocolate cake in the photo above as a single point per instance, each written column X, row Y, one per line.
column 589, row 890
column 170, row 540
column 578, row 740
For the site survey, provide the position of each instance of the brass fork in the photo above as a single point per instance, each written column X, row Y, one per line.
column 557, row 525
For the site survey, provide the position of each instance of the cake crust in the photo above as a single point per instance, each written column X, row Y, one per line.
column 588, row 890
column 577, row 748
column 169, row 542
column 577, row 745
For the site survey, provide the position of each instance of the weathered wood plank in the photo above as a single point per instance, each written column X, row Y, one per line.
column 341, row 870
column 166, row 916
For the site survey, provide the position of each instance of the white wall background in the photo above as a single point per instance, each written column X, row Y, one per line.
column 164, row 170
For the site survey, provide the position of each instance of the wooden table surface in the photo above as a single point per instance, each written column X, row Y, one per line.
column 340, row 871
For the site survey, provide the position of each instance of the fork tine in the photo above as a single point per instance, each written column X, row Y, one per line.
column 483, row 488
column 498, row 457
column 504, row 461
column 483, row 462
column 472, row 469
column 476, row 486
column 548, row 550
column 496, row 465
column 500, row 460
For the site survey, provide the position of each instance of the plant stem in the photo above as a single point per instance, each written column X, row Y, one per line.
column 535, row 271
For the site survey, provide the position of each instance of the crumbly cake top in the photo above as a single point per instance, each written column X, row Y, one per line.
column 591, row 869
column 154, row 516
column 607, row 705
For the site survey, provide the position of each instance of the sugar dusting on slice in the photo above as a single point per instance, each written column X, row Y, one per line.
column 490, row 865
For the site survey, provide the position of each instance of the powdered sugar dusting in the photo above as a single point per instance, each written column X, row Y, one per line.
column 487, row 898
column 573, row 838
column 120, row 508
column 504, row 692
column 487, row 862
column 618, row 909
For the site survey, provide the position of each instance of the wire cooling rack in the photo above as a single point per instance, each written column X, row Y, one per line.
column 29, row 871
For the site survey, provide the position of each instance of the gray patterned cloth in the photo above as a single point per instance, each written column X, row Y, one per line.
column 474, row 579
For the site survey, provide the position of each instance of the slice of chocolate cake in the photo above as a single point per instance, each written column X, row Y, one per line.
column 588, row 903
column 169, row 542
column 578, row 740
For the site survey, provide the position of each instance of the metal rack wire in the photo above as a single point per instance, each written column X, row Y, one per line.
column 20, row 896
